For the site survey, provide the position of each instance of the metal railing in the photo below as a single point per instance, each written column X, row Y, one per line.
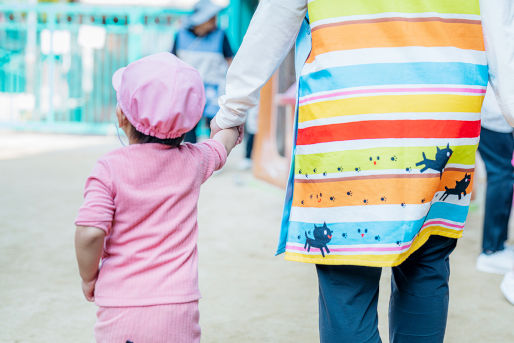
column 56, row 61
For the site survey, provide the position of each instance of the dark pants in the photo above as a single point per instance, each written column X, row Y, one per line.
column 249, row 145
column 496, row 150
column 418, row 308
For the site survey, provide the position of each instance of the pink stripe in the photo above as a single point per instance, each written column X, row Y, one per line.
column 359, row 249
column 395, row 90
column 430, row 223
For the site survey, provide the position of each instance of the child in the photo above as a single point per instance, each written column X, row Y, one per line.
column 205, row 46
column 139, row 216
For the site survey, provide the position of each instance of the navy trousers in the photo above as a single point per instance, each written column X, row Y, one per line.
column 496, row 150
column 418, row 308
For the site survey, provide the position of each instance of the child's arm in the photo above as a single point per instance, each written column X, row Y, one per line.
column 227, row 137
column 89, row 242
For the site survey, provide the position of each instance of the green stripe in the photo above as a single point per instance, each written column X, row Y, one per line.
column 390, row 158
column 323, row 9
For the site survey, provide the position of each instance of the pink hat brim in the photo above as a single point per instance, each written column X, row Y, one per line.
column 116, row 78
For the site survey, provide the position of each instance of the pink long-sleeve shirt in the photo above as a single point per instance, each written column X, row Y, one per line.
column 145, row 197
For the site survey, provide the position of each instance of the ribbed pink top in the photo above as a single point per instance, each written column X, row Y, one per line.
column 145, row 197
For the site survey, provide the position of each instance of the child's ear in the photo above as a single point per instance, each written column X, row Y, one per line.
column 122, row 120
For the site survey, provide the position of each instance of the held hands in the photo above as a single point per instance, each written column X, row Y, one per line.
column 215, row 129
column 88, row 288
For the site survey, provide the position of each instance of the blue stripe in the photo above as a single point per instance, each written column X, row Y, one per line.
column 387, row 232
column 393, row 74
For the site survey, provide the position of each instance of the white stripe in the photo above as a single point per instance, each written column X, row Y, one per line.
column 359, row 144
column 452, row 199
column 350, row 214
column 393, row 55
column 392, row 15
column 353, row 214
column 390, row 116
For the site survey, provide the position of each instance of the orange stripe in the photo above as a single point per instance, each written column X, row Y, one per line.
column 414, row 190
column 396, row 34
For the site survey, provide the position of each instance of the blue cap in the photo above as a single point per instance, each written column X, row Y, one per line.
column 204, row 10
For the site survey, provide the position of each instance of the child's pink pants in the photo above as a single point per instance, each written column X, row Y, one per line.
column 177, row 323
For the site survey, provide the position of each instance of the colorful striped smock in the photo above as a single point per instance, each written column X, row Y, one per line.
column 388, row 123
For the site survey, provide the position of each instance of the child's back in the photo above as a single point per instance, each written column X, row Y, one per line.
column 149, row 193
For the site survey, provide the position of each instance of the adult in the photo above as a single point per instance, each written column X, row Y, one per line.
column 496, row 148
column 387, row 126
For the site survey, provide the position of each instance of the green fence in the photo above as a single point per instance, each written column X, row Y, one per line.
column 56, row 61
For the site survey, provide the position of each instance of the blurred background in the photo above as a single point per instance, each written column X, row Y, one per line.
column 57, row 118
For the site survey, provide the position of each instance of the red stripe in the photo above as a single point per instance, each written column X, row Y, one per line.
column 380, row 129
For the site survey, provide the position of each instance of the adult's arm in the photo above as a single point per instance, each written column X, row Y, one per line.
column 270, row 36
column 498, row 27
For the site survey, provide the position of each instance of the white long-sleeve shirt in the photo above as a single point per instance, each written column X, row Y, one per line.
column 275, row 25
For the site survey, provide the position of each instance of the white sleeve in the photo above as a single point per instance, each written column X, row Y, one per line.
column 270, row 36
column 498, row 27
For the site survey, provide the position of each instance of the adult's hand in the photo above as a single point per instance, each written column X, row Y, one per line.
column 215, row 129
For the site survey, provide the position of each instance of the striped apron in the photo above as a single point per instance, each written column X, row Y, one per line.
column 387, row 125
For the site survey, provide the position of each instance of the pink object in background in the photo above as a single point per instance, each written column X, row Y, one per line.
column 160, row 95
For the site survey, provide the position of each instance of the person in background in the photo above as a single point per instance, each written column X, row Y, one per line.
column 250, row 132
column 203, row 45
column 496, row 148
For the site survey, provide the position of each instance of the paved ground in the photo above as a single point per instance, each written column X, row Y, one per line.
column 248, row 294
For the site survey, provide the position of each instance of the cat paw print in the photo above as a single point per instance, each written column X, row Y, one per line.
column 394, row 158
column 339, row 169
column 344, row 235
column 357, row 169
column 377, row 238
column 332, row 198
column 383, row 199
column 349, row 193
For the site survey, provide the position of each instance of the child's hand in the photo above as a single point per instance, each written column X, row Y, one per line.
column 227, row 137
column 88, row 288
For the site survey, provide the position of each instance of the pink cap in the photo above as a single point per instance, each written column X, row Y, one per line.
column 160, row 95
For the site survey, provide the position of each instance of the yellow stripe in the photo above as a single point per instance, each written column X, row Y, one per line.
column 389, row 260
column 391, row 104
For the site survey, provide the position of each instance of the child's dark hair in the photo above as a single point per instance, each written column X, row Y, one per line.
column 141, row 138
